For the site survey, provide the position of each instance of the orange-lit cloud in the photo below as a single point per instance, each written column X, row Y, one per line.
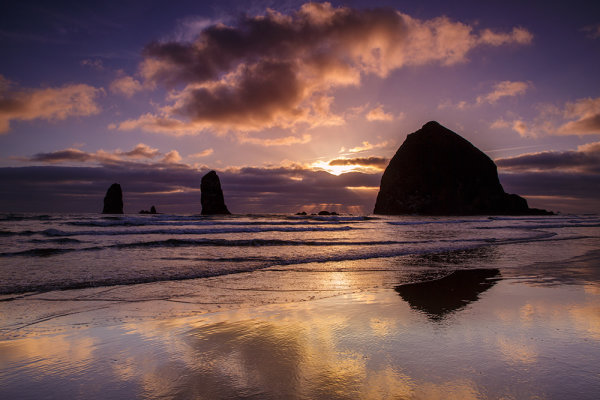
column 172, row 157
column 203, row 153
column 586, row 116
column 503, row 89
column 142, row 151
column 580, row 118
column 279, row 70
column 126, row 86
column 282, row 141
column 377, row 162
column 378, row 114
column 499, row 91
column 366, row 146
column 47, row 103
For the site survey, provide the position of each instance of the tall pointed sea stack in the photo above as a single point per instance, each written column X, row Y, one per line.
column 113, row 201
column 437, row 172
column 211, row 195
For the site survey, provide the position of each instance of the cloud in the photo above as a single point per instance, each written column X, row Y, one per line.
column 377, row 162
column 368, row 146
column 47, row 103
column 172, row 157
column 586, row 159
column 93, row 63
column 203, row 153
column 580, row 118
column 518, row 35
column 377, row 114
column 126, row 86
column 67, row 155
column 593, row 31
column 499, row 91
column 520, row 127
column 139, row 152
column 142, row 151
column 275, row 70
column 175, row 188
column 586, row 113
column 503, row 89
column 556, row 190
column 282, row 141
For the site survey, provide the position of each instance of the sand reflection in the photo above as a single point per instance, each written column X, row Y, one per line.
column 516, row 341
column 439, row 297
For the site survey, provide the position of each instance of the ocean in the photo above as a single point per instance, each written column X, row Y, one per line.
column 41, row 253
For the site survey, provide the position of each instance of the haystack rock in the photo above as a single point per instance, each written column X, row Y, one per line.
column 113, row 201
column 437, row 172
column 212, row 195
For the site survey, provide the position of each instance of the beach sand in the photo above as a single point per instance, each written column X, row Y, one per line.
column 524, row 331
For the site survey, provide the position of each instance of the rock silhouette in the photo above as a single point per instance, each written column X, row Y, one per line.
column 437, row 172
column 451, row 293
column 113, row 201
column 211, row 196
column 152, row 211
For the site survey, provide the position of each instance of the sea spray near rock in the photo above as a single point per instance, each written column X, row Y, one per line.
column 213, row 202
column 438, row 172
column 113, row 201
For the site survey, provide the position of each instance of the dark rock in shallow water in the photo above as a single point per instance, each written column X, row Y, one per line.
column 152, row 211
column 113, row 201
column 301, row 213
column 324, row 212
column 437, row 172
column 212, row 195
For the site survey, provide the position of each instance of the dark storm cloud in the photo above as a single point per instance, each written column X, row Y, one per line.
column 175, row 188
column 140, row 151
column 68, row 155
column 585, row 159
column 378, row 162
column 274, row 69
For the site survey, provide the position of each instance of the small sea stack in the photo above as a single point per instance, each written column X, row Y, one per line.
column 113, row 201
column 438, row 172
column 152, row 211
column 213, row 202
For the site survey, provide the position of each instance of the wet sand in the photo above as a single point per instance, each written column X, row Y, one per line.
column 531, row 332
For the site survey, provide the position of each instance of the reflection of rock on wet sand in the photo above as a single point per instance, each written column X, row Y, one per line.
column 451, row 293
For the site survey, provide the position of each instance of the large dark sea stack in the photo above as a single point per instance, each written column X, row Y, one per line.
column 437, row 172
column 113, row 201
column 211, row 195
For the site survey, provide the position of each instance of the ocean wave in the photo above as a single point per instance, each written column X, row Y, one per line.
column 194, row 222
column 190, row 231
column 574, row 224
column 457, row 221
column 57, row 240
column 25, row 217
column 233, row 265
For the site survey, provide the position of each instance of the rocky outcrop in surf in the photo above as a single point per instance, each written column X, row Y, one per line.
column 211, row 196
column 113, row 201
column 152, row 211
column 438, row 172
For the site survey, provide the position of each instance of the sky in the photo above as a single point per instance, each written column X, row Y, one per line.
column 298, row 106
